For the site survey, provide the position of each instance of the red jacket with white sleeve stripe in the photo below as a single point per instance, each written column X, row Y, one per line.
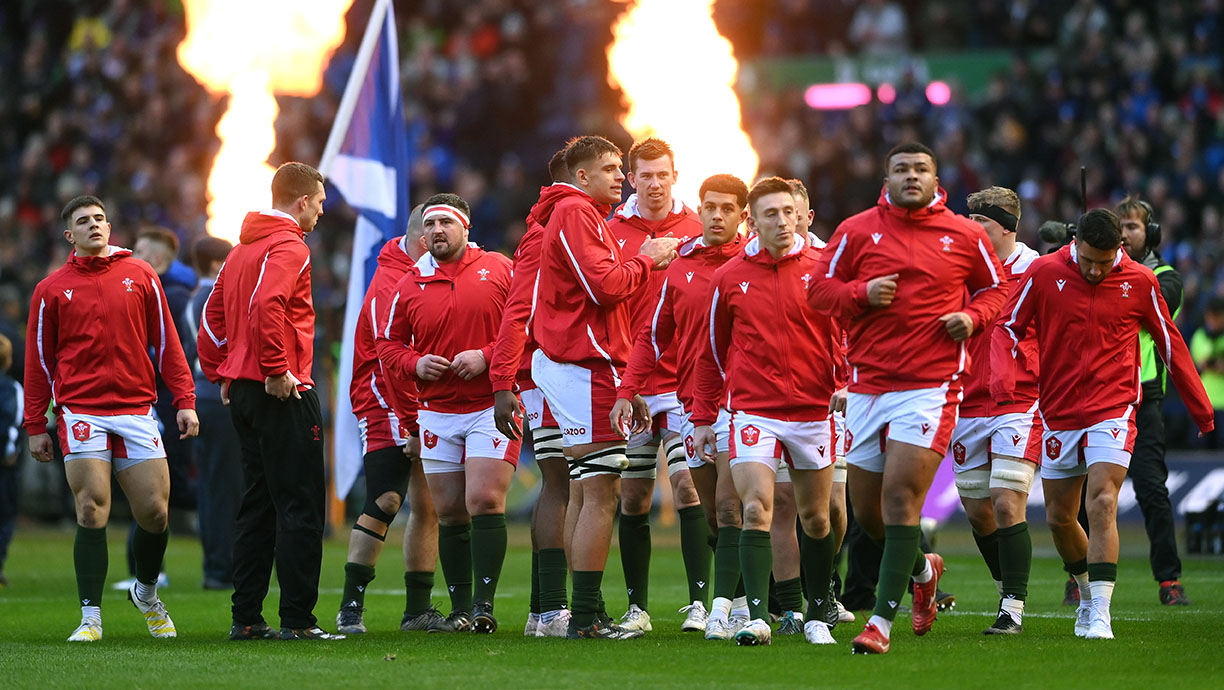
column 370, row 390
column 978, row 401
column 259, row 320
column 1088, row 342
column 774, row 351
column 937, row 255
column 92, row 325
column 511, row 363
column 631, row 230
column 581, row 313
column 679, row 327
column 444, row 310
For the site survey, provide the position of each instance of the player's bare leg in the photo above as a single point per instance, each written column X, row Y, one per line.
column 147, row 486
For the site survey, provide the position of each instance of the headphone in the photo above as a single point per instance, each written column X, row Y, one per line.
column 1152, row 229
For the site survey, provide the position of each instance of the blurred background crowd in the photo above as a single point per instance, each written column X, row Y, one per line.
column 93, row 101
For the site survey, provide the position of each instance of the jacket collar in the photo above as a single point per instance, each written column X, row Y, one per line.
column 631, row 209
column 427, row 265
column 754, row 251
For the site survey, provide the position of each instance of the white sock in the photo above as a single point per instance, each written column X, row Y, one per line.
column 1102, row 594
column 550, row 616
column 739, row 606
column 146, row 593
column 927, row 573
column 721, row 608
column 882, row 624
column 1014, row 607
column 94, row 612
column 1082, row 580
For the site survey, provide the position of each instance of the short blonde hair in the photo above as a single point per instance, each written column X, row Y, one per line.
column 1002, row 197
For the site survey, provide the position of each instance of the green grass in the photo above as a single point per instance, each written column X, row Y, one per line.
column 1156, row 646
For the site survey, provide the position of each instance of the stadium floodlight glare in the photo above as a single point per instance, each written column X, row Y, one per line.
column 837, row 96
column 938, row 93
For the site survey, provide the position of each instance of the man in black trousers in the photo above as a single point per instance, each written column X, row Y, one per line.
column 257, row 340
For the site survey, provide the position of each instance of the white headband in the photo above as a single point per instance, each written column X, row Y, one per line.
column 447, row 210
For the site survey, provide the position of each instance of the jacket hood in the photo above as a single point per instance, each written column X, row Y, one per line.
column 99, row 263
column 260, row 224
column 395, row 256
column 938, row 205
column 552, row 195
column 697, row 244
column 427, row 265
column 1069, row 254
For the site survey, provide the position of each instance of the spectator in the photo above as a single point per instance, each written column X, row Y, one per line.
column 11, row 414
column 1207, row 348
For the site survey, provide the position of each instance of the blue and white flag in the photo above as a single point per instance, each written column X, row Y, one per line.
column 366, row 160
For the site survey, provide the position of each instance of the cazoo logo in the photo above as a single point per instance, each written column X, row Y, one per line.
column 533, row 416
column 574, row 431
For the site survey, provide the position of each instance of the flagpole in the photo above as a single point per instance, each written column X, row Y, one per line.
column 348, row 102
column 344, row 115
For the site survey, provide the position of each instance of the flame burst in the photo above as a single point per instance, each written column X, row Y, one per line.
column 251, row 51
column 677, row 73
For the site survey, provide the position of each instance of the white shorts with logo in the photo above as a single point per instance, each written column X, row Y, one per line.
column 666, row 416
column 448, row 439
column 1014, row 434
column 536, row 411
column 1070, row 453
column 581, row 399
column 925, row 417
column 123, row 440
column 722, row 438
column 801, row 445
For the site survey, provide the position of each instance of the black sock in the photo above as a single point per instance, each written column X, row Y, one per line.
column 418, row 585
column 148, row 550
column 553, row 571
column 356, row 577
column 488, row 553
column 89, row 558
column 694, row 546
column 535, row 582
column 634, row 531
column 988, row 545
column 455, row 553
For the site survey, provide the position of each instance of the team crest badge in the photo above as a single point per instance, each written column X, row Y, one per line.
column 127, row 283
column 484, row 273
column 750, row 435
column 849, row 441
column 807, row 280
column 1053, row 448
column 689, row 447
column 80, row 431
column 958, row 452
column 430, row 439
column 946, row 242
column 1126, row 288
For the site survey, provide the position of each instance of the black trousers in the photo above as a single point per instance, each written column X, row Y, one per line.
column 1148, row 474
column 219, row 459
column 281, row 516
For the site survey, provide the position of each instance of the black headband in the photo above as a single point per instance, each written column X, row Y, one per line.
column 998, row 215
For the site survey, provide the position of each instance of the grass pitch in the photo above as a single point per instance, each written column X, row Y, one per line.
column 1155, row 647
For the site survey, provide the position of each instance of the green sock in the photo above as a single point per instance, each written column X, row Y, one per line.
column 756, row 562
column 726, row 563
column 817, row 558
column 418, row 585
column 634, row 534
column 535, row 582
column 488, row 553
column 89, row 557
column 587, row 596
column 1077, row 568
column 148, row 550
column 989, row 546
column 356, row 577
column 553, row 571
column 896, row 567
column 455, row 552
column 789, row 594
column 1015, row 559
column 694, row 546
column 1102, row 572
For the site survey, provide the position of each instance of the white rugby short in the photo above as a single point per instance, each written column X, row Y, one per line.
column 925, row 417
column 581, row 399
column 1014, row 434
column 123, row 440
column 839, row 447
column 381, row 429
column 535, row 410
column 448, row 439
column 801, row 445
column 666, row 416
column 1070, row 453
column 722, row 438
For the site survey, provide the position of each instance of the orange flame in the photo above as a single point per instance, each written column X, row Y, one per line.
column 677, row 73
column 251, row 51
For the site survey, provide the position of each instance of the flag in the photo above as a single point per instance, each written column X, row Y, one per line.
column 366, row 162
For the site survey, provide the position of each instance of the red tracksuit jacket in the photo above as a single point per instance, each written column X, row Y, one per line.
column 774, row 351
column 581, row 313
column 938, row 254
column 370, row 389
column 978, row 401
column 680, row 325
column 92, row 324
column 444, row 311
column 511, row 363
column 1088, row 342
column 631, row 230
column 259, row 320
